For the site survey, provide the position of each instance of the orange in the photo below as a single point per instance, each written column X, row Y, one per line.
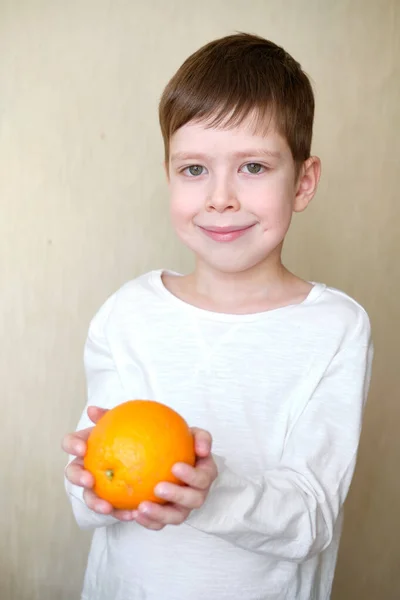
column 133, row 447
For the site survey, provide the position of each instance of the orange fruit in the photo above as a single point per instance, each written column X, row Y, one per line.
column 133, row 447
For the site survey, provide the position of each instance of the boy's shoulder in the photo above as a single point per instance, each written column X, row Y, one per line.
column 336, row 311
column 133, row 296
column 142, row 285
column 343, row 302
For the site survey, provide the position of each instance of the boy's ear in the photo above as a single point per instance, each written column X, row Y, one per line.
column 307, row 183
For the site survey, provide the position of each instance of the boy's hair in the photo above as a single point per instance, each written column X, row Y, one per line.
column 237, row 76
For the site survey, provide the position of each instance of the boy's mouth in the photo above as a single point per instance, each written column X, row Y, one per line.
column 226, row 234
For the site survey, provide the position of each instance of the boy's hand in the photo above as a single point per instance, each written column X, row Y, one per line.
column 75, row 444
column 182, row 499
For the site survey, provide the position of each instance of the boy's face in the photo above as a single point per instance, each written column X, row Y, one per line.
column 233, row 193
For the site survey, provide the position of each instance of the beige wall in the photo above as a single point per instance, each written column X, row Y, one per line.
column 84, row 208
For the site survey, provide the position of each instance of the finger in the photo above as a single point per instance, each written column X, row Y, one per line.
column 167, row 514
column 145, row 521
column 124, row 515
column 185, row 497
column 199, row 477
column 95, row 503
column 103, row 507
column 95, row 413
column 202, row 441
column 76, row 474
column 75, row 443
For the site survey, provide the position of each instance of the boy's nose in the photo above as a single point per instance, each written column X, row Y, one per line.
column 222, row 198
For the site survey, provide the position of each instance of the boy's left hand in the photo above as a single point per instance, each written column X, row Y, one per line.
column 181, row 500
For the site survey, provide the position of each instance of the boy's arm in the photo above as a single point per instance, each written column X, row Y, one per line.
column 104, row 389
column 290, row 511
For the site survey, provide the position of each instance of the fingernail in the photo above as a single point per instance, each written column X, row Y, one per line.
column 160, row 491
column 143, row 509
column 176, row 470
column 179, row 470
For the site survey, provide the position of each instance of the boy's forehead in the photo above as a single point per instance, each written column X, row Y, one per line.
column 200, row 135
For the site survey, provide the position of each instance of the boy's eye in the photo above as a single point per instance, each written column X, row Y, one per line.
column 254, row 168
column 194, row 170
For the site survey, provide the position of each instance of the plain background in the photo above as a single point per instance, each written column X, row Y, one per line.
column 84, row 208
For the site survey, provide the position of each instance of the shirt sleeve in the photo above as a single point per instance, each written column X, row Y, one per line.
column 104, row 389
column 289, row 512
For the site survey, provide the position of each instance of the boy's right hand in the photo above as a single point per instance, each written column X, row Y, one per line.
column 75, row 444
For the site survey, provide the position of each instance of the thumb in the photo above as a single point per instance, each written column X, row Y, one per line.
column 95, row 413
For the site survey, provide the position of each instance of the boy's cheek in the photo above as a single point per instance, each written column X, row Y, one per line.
column 183, row 212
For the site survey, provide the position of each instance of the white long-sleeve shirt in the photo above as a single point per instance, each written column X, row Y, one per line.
column 282, row 393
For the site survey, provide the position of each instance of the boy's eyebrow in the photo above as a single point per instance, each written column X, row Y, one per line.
column 262, row 153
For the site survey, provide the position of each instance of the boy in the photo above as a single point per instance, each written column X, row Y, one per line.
column 275, row 368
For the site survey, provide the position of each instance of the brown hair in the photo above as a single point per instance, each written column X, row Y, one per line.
column 230, row 78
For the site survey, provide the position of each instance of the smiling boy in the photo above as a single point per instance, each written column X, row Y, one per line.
column 272, row 370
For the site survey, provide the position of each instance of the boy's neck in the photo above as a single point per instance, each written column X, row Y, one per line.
column 264, row 287
column 256, row 282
